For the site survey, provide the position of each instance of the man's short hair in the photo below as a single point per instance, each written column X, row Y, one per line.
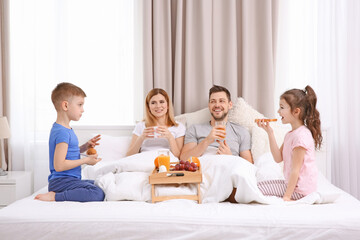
column 217, row 88
column 63, row 92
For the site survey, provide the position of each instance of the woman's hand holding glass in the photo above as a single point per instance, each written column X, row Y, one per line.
column 157, row 132
column 164, row 132
column 149, row 132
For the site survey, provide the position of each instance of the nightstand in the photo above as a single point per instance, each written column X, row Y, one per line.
column 15, row 185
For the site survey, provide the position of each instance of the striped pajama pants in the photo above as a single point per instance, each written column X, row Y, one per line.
column 276, row 188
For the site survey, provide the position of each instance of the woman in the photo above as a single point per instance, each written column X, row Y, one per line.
column 159, row 130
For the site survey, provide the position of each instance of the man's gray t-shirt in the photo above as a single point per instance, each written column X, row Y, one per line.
column 237, row 137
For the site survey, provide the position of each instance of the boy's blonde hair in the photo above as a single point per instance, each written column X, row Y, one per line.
column 63, row 92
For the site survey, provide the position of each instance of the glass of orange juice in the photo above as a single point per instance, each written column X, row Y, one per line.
column 221, row 125
column 164, row 158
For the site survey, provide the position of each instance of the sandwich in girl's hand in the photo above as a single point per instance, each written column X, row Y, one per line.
column 266, row 120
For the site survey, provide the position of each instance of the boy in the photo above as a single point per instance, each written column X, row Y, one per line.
column 65, row 182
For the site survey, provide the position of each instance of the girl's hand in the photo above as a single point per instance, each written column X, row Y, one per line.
column 164, row 132
column 265, row 125
column 93, row 142
column 223, row 149
column 93, row 159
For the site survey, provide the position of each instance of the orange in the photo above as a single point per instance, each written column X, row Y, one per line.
column 91, row 151
column 195, row 160
column 156, row 162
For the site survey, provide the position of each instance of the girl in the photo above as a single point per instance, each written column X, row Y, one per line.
column 159, row 130
column 297, row 107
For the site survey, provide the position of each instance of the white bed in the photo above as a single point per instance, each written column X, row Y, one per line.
column 185, row 219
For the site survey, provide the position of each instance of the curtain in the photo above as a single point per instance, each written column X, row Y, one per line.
column 62, row 42
column 190, row 45
column 339, row 74
column 318, row 44
column 3, row 76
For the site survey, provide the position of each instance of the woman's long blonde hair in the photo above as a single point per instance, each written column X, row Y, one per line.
column 150, row 120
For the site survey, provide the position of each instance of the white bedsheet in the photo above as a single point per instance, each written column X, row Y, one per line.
column 179, row 219
column 127, row 179
column 185, row 219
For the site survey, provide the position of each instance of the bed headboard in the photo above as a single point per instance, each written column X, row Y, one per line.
column 84, row 133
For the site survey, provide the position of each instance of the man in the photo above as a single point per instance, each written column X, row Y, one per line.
column 207, row 137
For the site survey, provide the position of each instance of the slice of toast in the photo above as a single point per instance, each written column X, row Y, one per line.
column 266, row 120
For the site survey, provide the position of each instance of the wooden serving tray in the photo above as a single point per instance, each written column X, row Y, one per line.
column 162, row 178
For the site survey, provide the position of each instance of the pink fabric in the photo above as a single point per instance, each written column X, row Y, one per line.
column 301, row 137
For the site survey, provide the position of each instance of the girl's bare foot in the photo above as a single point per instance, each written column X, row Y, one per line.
column 50, row 196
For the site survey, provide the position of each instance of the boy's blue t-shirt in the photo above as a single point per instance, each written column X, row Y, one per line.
column 61, row 134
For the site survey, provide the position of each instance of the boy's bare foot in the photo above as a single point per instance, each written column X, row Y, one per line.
column 50, row 196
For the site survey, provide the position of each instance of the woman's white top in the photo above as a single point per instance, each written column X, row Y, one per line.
column 157, row 143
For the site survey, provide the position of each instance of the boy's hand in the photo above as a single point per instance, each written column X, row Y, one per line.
column 94, row 141
column 93, row 159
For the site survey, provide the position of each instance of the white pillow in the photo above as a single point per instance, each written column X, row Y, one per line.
column 267, row 168
column 260, row 140
column 181, row 118
column 188, row 119
column 243, row 114
column 112, row 148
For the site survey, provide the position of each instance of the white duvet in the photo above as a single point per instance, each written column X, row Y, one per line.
column 128, row 179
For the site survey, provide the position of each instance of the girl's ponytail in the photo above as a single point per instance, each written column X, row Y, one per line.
column 312, row 116
column 306, row 101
